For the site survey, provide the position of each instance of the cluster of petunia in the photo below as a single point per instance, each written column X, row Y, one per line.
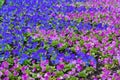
column 60, row 40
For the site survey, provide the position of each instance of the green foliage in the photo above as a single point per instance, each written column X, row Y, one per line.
column 105, row 56
column 94, row 51
column 50, row 68
column 1, row 3
column 89, row 69
column 34, row 75
column 117, row 43
column 82, row 74
column 27, row 62
column 38, row 39
column 118, row 71
column 65, row 45
column 12, row 77
column 68, row 67
column 73, row 49
column 52, row 78
column 81, row 42
column 79, row 20
column 84, row 50
column 59, row 73
column 8, row 47
column 54, row 43
column 72, row 78
column 10, row 60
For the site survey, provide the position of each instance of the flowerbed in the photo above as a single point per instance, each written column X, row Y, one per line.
column 60, row 40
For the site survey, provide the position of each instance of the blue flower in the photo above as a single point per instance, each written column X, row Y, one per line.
column 34, row 45
column 7, row 54
column 99, row 26
column 91, row 58
column 81, row 8
column 41, row 51
column 56, row 61
column 70, row 8
column 24, row 56
column 21, row 61
column 80, row 54
column 16, row 52
column 43, row 57
column 51, row 49
column 42, row 44
column 80, row 26
column 35, row 56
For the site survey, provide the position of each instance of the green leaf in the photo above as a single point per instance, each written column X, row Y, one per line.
column 109, row 48
column 1, row 2
column 8, row 47
column 82, row 74
column 89, row 69
column 59, row 73
column 26, row 62
column 93, row 51
column 38, row 39
column 27, row 34
column 28, row 71
column 115, row 61
column 12, row 77
column 79, row 20
column 81, row 42
column 72, row 78
column 50, row 68
column 108, row 66
column 54, row 43
column 10, row 60
column 65, row 45
column 105, row 56
column 68, row 67
column 73, row 49
column 84, row 50
column 52, row 78
column 118, row 71
column 99, row 37
column 34, row 75
column 117, row 43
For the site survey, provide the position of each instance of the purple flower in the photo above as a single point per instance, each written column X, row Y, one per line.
column 5, row 64
column 60, row 66
column 6, row 78
column 6, row 72
column 1, row 73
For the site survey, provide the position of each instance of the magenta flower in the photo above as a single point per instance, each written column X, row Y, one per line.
column 6, row 78
column 15, row 73
column 24, row 77
column 6, row 72
column 5, row 64
column 60, row 67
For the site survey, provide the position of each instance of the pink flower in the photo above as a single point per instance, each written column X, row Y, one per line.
column 43, row 68
column 77, row 48
column 66, row 76
column 1, row 73
column 24, row 77
column 6, row 72
column 23, row 69
column 5, row 64
column 28, row 30
column 78, row 67
column 60, row 66
column 34, row 69
column 6, row 78
column 15, row 73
